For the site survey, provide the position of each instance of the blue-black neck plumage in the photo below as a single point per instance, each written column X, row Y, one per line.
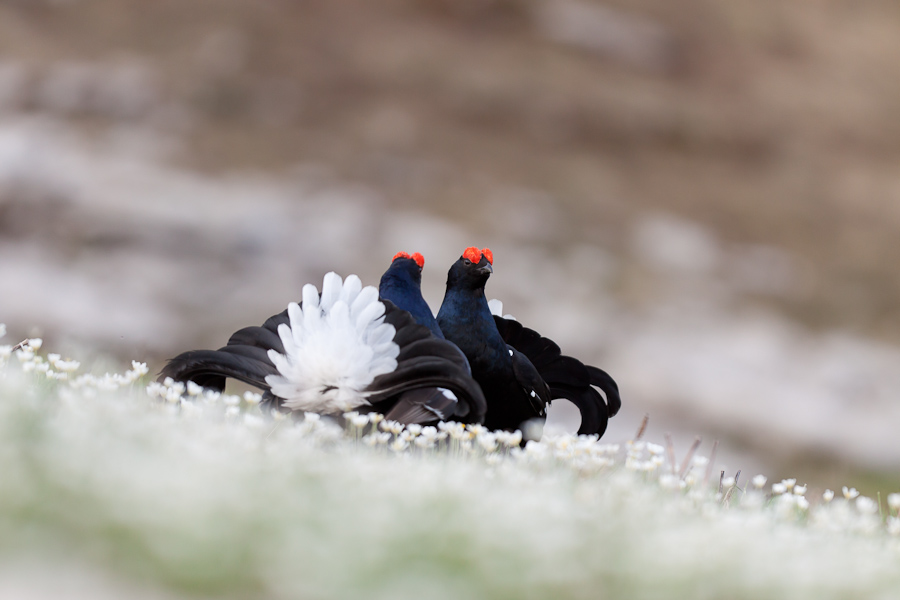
column 402, row 285
column 466, row 320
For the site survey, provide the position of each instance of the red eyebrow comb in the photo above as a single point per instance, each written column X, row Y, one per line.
column 472, row 253
column 416, row 256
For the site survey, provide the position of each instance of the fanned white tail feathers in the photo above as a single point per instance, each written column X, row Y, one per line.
column 334, row 348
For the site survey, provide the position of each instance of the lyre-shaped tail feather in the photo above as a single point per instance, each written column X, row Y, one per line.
column 210, row 368
column 244, row 358
column 567, row 377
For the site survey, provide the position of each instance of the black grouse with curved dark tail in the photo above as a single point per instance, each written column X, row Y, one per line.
column 519, row 371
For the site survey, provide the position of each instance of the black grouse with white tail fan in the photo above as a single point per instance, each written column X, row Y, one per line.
column 345, row 349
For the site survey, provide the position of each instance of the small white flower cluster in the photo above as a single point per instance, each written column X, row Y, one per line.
column 89, row 384
column 852, row 512
column 644, row 457
column 26, row 352
column 194, row 398
column 374, row 430
column 788, row 498
column 55, row 367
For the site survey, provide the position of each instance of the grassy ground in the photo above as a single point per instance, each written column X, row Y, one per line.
column 191, row 495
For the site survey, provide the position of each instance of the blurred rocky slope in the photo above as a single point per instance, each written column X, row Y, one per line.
column 702, row 197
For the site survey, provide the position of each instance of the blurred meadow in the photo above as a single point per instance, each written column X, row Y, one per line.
column 701, row 198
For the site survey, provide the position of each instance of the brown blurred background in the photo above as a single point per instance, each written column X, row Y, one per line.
column 702, row 197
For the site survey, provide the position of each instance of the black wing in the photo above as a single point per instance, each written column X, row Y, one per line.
column 427, row 362
column 566, row 377
column 533, row 385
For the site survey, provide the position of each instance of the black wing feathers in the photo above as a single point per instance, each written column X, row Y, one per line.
column 531, row 381
column 567, row 377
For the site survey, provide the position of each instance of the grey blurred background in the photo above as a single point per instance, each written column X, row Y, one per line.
column 702, row 198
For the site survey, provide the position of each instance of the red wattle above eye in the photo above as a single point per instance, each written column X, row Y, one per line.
column 473, row 254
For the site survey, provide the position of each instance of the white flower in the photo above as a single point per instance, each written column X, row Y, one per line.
column 359, row 420
column 893, row 525
column 252, row 397
column 392, row 426
column 24, row 356
column 487, row 441
column 828, row 495
column 728, row 482
column 414, row 428
column 193, row 389
column 36, row 343
column 67, row 365
column 779, row 488
column 893, row 501
column 232, row 411
column 799, row 489
column 802, row 503
column 424, row 442
column 759, row 481
column 476, row 429
column 509, row 439
column 655, row 449
column 866, row 505
column 376, row 418
column 789, row 483
column 399, row 445
column 139, row 368
column 849, row 493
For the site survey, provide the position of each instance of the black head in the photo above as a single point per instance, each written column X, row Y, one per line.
column 472, row 269
column 408, row 265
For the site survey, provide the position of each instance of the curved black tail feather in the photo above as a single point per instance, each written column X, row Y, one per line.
column 567, row 377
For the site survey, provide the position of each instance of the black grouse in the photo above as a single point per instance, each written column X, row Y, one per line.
column 519, row 371
column 344, row 349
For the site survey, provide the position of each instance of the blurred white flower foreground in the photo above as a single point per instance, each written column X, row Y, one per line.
column 186, row 493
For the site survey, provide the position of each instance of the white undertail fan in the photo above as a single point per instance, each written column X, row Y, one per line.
column 344, row 349
column 567, row 377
